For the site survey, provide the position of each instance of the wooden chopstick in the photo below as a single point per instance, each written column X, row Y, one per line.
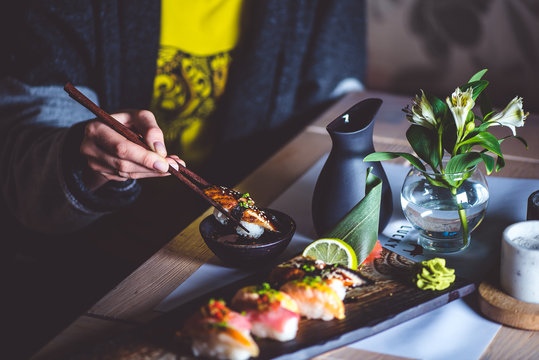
column 185, row 175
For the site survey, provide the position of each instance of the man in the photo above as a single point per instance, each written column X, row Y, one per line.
column 70, row 185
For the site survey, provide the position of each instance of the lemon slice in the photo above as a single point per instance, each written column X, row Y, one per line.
column 332, row 251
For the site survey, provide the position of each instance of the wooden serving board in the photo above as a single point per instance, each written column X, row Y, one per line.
column 390, row 301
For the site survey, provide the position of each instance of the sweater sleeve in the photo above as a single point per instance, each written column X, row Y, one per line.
column 335, row 61
column 40, row 133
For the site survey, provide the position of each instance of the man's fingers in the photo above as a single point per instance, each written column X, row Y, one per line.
column 173, row 163
column 146, row 125
column 112, row 173
column 116, row 158
column 175, row 159
column 120, row 149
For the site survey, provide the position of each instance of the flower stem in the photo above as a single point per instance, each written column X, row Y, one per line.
column 462, row 216
column 440, row 149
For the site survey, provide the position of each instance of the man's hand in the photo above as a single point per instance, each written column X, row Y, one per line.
column 112, row 157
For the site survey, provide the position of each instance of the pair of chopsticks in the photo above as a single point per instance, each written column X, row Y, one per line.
column 188, row 177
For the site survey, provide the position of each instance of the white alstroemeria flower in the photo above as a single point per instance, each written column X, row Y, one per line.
column 421, row 112
column 512, row 116
column 460, row 105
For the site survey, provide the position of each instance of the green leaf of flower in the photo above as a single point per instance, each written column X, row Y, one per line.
column 477, row 76
column 520, row 138
column 500, row 163
column 462, row 162
column 449, row 134
column 477, row 87
column 439, row 107
column 425, row 144
column 483, row 127
column 489, row 163
column 439, row 182
column 486, row 140
column 380, row 156
column 488, row 160
column 485, row 106
column 484, row 102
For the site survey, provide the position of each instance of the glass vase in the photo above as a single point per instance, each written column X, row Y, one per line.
column 444, row 208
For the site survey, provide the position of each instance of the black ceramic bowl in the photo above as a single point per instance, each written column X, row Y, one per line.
column 239, row 251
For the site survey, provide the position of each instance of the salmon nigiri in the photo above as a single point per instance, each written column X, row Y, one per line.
column 273, row 313
column 315, row 298
column 218, row 332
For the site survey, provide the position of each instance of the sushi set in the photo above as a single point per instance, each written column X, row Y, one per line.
column 297, row 309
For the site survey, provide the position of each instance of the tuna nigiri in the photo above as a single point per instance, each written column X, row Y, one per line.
column 243, row 207
column 273, row 313
column 315, row 298
column 218, row 332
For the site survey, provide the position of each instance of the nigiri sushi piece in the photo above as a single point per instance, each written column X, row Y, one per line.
column 273, row 313
column 218, row 332
column 243, row 207
column 338, row 277
column 315, row 298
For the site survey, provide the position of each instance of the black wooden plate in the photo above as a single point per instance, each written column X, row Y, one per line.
column 390, row 301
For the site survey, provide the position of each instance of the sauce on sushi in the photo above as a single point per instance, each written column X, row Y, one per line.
column 242, row 207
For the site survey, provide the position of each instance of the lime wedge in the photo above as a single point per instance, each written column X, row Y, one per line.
column 332, row 251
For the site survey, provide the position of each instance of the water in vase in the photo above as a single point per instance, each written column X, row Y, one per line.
column 433, row 211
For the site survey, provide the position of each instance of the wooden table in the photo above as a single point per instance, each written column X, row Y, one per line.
column 131, row 302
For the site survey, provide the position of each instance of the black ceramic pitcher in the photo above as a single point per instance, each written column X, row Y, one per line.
column 341, row 183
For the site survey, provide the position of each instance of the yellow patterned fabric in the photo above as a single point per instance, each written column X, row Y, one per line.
column 197, row 38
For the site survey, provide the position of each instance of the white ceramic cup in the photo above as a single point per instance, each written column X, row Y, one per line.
column 519, row 266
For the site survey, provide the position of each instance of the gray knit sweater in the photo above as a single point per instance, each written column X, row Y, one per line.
column 292, row 56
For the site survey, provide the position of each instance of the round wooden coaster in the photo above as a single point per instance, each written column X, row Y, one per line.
column 505, row 309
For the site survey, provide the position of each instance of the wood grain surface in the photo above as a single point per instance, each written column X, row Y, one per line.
column 504, row 309
column 133, row 300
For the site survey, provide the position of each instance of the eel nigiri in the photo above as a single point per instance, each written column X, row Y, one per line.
column 338, row 277
column 273, row 313
column 243, row 207
column 218, row 332
column 315, row 298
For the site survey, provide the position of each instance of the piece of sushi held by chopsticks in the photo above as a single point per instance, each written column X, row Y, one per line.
column 315, row 298
column 273, row 313
column 220, row 333
column 243, row 207
column 338, row 277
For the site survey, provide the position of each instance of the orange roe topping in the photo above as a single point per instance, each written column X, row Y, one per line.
column 216, row 310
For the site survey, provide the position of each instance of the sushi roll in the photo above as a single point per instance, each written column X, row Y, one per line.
column 338, row 277
column 273, row 313
column 315, row 298
column 243, row 207
column 220, row 333
column 294, row 269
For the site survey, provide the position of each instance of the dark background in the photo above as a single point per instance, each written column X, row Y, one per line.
column 437, row 45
